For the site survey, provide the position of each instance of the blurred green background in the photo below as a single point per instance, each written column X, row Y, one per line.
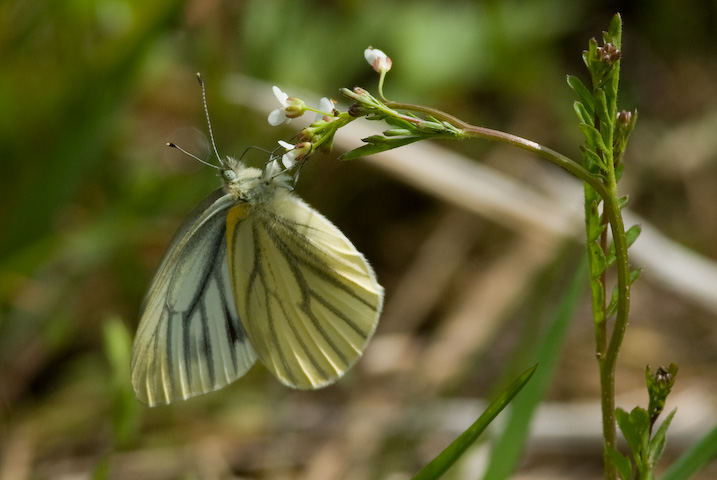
column 90, row 91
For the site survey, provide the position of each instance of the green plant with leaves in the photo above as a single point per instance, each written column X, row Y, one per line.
column 637, row 427
column 606, row 131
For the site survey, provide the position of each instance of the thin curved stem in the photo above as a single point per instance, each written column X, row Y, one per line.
column 497, row 136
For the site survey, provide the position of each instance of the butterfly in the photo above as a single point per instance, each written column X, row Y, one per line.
column 254, row 272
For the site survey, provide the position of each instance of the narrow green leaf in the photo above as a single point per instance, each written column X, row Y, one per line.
column 593, row 223
column 702, row 452
column 598, row 298
column 453, row 452
column 377, row 140
column 584, row 95
column 657, row 443
column 614, row 31
column 603, row 111
column 623, row 201
column 632, row 234
column 594, row 162
column 593, row 137
column 397, row 132
column 635, row 274
column 590, row 56
column 596, row 229
column 621, row 462
column 597, row 260
column 612, row 306
column 400, row 123
column 582, row 113
column 509, row 446
column 374, row 148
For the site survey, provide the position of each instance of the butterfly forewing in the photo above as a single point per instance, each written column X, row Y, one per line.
column 190, row 339
column 309, row 300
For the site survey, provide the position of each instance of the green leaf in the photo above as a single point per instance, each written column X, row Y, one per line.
column 377, row 140
column 582, row 113
column 623, row 201
column 594, row 162
column 621, row 462
column 612, row 306
column 397, row 132
column 590, row 56
column 597, row 260
column 453, row 452
column 630, row 237
column 373, row 148
column 635, row 427
column 584, row 96
column 635, row 274
column 632, row 234
column 594, row 226
column 547, row 353
column 400, row 123
column 603, row 111
column 657, row 444
column 614, row 31
column 593, row 138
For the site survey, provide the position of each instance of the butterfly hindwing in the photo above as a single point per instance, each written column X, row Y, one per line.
column 190, row 339
column 309, row 300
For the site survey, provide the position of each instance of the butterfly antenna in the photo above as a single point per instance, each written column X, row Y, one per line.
column 206, row 112
column 172, row 145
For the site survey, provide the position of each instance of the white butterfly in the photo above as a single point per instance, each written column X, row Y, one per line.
column 254, row 272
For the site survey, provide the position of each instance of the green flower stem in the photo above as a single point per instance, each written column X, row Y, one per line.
column 495, row 135
column 607, row 189
column 381, row 78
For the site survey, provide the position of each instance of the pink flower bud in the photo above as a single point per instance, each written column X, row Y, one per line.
column 377, row 59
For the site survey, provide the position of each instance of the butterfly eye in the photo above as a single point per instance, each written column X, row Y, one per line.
column 229, row 175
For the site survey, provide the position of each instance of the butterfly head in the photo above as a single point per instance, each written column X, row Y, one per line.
column 252, row 184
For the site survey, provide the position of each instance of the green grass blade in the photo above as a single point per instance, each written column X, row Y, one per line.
column 510, row 445
column 452, row 453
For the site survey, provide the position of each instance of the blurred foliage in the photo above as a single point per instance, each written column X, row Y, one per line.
column 90, row 90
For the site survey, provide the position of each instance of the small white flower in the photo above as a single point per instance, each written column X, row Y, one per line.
column 290, row 108
column 377, row 59
column 326, row 105
column 294, row 153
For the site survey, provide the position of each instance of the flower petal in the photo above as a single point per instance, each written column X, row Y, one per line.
column 277, row 117
column 280, row 95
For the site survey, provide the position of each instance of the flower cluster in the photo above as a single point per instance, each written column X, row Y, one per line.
column 320, row 134
column 311, row 137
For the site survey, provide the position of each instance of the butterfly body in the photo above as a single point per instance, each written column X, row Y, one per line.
column 254, row 272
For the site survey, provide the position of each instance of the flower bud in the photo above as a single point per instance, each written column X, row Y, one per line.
column 377, row 59
column 609, row 53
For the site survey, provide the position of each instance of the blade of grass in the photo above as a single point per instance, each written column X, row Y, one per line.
column 452, row 453
column 510, row 445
